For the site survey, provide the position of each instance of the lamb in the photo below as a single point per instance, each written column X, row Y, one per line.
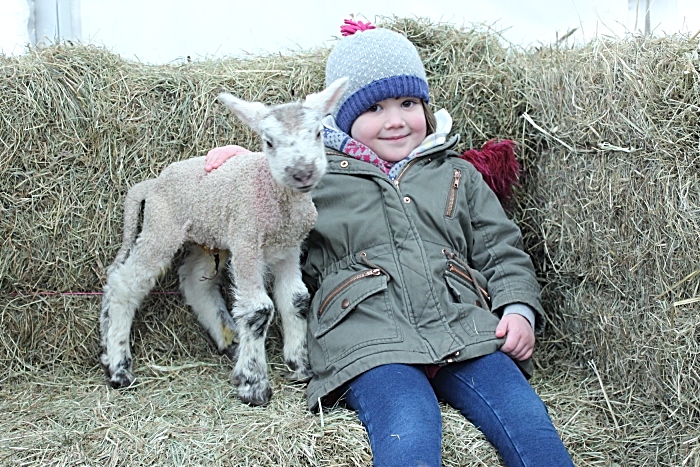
column 256, row 210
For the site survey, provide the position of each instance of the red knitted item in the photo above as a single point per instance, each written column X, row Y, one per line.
column 497, row 163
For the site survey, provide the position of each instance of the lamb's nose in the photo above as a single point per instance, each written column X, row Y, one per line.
column 303, row 176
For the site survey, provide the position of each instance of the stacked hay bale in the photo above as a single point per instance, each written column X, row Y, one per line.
column 609, row 204
column 614, row 197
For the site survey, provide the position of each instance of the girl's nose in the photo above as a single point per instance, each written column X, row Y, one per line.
column 394, row 119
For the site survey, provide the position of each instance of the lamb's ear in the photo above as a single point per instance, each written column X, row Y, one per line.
column 249, row 112
column 326, row 99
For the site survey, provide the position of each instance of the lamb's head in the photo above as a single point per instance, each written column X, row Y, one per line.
column 291, row 134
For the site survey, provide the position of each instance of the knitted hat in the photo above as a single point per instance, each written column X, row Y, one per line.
column 380, row 64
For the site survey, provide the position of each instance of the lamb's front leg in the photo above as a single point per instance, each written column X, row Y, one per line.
column 292, row 300
column 252, row 313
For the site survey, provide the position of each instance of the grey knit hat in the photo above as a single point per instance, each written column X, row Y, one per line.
column 380, row 64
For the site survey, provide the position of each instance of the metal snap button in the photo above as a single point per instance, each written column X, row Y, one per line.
column 345, row 303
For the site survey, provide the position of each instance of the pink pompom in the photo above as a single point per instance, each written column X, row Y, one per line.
column 350, row 27
column 497, row 163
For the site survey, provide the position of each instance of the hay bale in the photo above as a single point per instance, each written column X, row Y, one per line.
column 614, row 196
column 83, row 125
column 610, row 141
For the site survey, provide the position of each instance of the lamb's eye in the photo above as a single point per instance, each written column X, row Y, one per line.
column 268, row 143
column 318, row 135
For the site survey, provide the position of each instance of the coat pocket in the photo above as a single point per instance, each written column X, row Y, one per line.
column 463, row 287
column 475, row 316
column 352, row 310
column 478, row 323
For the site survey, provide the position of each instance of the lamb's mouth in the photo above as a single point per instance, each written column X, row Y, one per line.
column 303, row 184
column 305, row 188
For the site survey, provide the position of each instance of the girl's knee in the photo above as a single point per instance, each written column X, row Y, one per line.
column 415, row 444
column 401, row 413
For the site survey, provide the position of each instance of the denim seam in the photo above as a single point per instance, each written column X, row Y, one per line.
column 361, row 409
column 498, row 417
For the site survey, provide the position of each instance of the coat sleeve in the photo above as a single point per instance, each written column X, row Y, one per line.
column 497, row 250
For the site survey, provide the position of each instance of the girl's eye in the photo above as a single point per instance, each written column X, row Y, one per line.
column 374, row 108
column 408, row 103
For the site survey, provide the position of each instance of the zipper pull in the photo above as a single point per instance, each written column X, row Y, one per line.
column 376, row 270
column 458, row 176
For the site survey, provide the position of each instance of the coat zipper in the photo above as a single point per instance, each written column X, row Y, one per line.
column 403, row 171
column 468, row 275
column 345, row 284
column 363, row 259
column 442, row 147
column 455, row 270
column 453, row 193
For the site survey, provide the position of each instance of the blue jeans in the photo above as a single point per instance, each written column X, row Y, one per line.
column 398, row 404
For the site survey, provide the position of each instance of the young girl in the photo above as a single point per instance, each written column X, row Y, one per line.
column 421, row 290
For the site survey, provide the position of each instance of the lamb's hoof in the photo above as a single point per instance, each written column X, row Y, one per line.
column 122, row 378
column 252, row 392
column 298, row 370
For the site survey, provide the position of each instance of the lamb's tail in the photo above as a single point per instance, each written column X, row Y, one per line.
column 132, row 212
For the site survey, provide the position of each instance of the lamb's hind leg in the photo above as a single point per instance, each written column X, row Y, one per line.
column 292, row 301
column 252, row 313
column 127, row 285
column 200, row 283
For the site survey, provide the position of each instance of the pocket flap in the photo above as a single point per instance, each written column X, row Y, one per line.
column 346, row 296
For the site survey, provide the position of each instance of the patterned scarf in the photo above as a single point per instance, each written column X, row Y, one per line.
column 336, row 139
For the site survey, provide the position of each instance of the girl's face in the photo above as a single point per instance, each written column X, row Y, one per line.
column 391, row 128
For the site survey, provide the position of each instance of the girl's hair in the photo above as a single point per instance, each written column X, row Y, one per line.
column 430, row 121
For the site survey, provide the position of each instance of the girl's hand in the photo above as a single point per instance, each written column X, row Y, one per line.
column 520, row 338
column 217, row 156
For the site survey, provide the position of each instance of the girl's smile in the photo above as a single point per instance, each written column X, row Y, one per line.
column 392, row 128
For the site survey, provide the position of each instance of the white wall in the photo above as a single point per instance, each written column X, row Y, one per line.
column 167, row 30
column 53, row 21
column 654, row 16
column 161, row 31
column 14, row 37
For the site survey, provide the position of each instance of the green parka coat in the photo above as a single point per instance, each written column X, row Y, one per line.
column 387, row 265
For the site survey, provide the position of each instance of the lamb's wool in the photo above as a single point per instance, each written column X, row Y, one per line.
column 258, row 207
column 254, row 204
